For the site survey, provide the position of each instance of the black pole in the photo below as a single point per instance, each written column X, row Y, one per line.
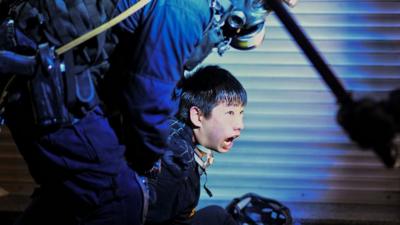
column 319, row 63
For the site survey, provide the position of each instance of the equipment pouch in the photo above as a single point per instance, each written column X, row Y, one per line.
column 7, row 39
column 12, row 38
column 47, row 90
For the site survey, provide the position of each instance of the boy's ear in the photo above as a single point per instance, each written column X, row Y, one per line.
column 195, row 116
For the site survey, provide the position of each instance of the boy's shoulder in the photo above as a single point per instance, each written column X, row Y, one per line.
column 179, row 131
column 179, row 158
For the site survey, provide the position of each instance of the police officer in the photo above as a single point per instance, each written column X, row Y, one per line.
column 55, row 116
column 55, row 120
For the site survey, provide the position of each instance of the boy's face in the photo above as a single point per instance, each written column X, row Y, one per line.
column 222, row 127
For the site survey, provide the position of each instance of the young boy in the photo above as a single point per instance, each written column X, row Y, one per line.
column 210, row 118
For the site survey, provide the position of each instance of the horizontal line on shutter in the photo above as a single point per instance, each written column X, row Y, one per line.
column 341, row 20
column 280, row 170
column 305, row 195
column 285, row 58
column 301, row 183
column 345, row 7
column 306, row 71
column 339, row 33
column 300, row 148
column 327, row 46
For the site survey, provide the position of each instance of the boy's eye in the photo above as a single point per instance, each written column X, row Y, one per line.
column 230, row 113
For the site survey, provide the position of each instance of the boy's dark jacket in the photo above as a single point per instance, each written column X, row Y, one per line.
column 177, row 186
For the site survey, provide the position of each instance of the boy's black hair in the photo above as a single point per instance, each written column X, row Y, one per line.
column 206, row 88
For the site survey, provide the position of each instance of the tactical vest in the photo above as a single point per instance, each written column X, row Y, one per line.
column 53, row 23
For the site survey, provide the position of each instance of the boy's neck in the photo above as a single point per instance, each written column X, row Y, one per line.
column 200, row 153
column 204, row 156
column 203, row 150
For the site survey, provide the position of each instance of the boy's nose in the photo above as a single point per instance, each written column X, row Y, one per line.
column 239, row 125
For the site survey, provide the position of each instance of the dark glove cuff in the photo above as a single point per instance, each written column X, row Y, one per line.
column 141, row 161
column 393, row 107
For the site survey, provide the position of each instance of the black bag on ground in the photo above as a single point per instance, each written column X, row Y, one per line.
column 254, row 209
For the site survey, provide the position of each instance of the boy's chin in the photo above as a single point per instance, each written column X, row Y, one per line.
column 219, row 149
column 223, row 150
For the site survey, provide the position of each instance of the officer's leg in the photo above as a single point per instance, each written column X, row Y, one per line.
column 213, row 215
column 88, row 180
column 124, row 206
column 119, row 202
column 120, row 206
column 48, row 208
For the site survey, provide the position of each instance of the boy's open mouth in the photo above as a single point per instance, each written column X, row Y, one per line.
column 230, row 140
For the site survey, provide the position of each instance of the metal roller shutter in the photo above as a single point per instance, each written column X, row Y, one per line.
column 292, row 148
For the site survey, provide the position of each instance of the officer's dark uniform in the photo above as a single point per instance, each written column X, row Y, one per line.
column 156, row 44
column 80, row 167
column 178, row 187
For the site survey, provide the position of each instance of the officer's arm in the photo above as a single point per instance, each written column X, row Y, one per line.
column 167, row 38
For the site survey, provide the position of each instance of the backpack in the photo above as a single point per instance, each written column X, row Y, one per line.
column 254, row 209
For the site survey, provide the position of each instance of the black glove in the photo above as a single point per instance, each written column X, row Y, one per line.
column 368, row 123
column 176, row 164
